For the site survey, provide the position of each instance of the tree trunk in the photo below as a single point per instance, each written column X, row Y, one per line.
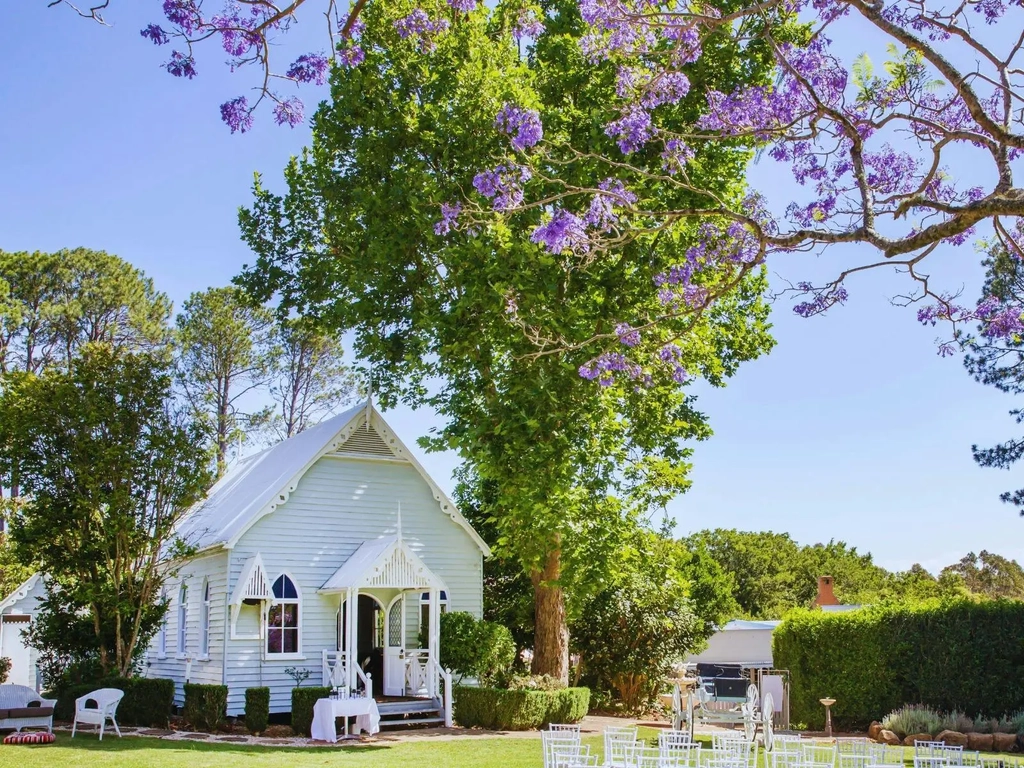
column 551, row 632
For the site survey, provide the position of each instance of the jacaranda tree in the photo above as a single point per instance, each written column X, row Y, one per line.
column 563, row 467
column 879, row 151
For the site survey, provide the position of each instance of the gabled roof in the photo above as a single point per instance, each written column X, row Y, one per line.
column 258, row 484
column 20, row 591
column 387, row 563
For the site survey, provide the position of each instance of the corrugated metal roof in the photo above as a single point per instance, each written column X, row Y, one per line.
column 743, row 624
column 256, row 482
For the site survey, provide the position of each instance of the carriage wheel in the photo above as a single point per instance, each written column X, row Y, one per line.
column 691, row 717
column 750, row 725
column 767, row 724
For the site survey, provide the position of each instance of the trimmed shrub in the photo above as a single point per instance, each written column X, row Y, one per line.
column 522, row 710
column 303, row 700
column 949, row 656
column 474, row 648
column 914, row 718
column 206, row 706
column 257, row 709
column 147, row 701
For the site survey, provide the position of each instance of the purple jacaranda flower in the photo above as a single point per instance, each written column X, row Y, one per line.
column 632, row 130
column 503, row 184
column 290, row 111
column 181, row 65
column 449, row 216
column 462, row 6
column 352, row 55
column 821, row 301
column 604, row 367
column 627, row 334
column 309, row 68
column 601, row 214
column 523, row 125
column 528, row 25
column 563, row 231
column 238, row 35
column 184, row 14
column 236, row 114
column 419, row 25
column 155, row 33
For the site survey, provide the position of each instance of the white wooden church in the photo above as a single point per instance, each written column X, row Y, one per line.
column 332, row 553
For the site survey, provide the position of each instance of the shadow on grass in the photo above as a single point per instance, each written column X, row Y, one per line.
column 140, row 743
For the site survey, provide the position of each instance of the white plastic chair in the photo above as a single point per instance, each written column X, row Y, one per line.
column 616, row 741
column 106, row 700
column 564, row 728
column 559, row 745
column 818, row 755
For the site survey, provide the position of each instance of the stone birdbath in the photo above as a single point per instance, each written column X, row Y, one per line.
column 828, row 702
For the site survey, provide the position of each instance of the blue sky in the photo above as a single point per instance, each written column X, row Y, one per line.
column 853, row 428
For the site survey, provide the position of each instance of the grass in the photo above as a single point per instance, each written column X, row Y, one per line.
column 140, row 752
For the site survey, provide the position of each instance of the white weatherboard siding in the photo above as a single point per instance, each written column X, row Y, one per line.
column 338, row 504
column 739, row 642
column 24, row 601
column 212, row 566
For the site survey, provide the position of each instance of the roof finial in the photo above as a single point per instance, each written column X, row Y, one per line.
column 399, row 520
column 369, row 395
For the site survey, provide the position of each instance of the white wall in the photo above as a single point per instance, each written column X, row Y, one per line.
column 172, row 665
column 736, row 646
column 12, row 644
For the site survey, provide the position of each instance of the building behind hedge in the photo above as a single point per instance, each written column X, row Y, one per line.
column 332, row 547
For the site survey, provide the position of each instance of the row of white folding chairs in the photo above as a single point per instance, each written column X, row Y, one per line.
column 560, row 742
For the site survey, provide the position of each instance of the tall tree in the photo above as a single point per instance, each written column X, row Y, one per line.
column 989, row 575
column 310, row 379
column 52, row 304
column 356, row 244
column 108, row 469
column 225, row 352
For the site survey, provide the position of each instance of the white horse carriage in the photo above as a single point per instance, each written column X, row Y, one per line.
column 718, row 685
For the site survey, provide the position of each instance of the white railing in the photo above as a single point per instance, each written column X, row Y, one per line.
column 366, row 681
column 418, row 669
column 334, row 671
column 447, row 677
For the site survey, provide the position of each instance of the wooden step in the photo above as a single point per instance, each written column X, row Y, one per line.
column 414, row 706
column 432, row 722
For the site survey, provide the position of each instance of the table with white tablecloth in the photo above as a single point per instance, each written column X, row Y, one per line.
column 325, row 711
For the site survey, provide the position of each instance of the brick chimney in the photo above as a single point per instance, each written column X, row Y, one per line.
column 826, row 594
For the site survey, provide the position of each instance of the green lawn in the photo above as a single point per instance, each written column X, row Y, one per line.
column 138, row 752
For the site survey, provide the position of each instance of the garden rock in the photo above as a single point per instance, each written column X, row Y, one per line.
column 1004, row 742
column 952, row 738
column 909, row 741
column 874, row 729
column 888, row 737
column 981, row 742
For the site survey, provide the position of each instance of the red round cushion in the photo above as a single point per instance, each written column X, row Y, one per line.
column 35, row 737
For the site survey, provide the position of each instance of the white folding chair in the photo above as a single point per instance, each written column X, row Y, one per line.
column 639, row 755
column 578, row 756
column 680, row 753
column 106, row 701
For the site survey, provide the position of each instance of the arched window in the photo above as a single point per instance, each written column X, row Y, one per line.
column 425, row 614
column 283, row 618
column 182, row 619
column 204, row 622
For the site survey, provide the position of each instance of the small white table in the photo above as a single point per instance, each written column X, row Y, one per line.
column 325, row 711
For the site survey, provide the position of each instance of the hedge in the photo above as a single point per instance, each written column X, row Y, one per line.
column 504, row 710
column 257, row 709
column 958, row 655
column 303, row 700
column 206, row 706
column 147, row 701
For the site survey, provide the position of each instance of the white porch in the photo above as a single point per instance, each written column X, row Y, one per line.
column 390, row 574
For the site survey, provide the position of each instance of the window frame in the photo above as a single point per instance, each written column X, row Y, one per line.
column 425, row 610
column 161, row 636
column 275, row 601
column 181, row 646
column 204, row 622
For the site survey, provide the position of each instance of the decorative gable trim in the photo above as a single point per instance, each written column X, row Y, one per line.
column 252, row 585
column 20, row 592
column 371, row 418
